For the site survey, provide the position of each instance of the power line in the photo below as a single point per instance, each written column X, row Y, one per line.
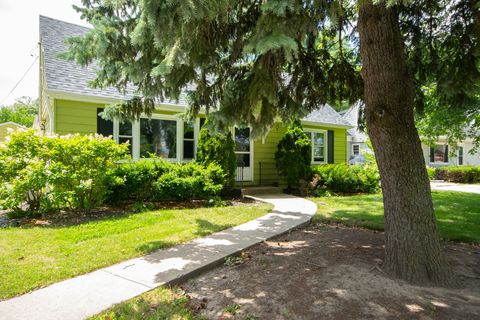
column 19, row 81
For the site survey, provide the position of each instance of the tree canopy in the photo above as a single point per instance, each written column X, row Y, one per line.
column 254, row 60
column 22, row 111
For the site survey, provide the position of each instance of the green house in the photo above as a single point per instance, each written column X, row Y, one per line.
column 69, row 105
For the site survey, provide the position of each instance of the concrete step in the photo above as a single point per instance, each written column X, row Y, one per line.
column 251, row 191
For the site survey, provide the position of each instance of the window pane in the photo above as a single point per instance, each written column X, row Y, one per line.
column 242, row 139
column 318, row 146
column 460, row 156
column 188, row 130
column 356, row 149
column 104, row 127
column 125, row 128
column 124, row 140
column 188, row 149
column 158, row 137
column 439, row 153
column 243, row 160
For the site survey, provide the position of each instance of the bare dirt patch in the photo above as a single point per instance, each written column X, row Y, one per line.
column 331, row 272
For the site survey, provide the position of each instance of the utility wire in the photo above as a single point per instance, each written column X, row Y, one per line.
column 19, row 81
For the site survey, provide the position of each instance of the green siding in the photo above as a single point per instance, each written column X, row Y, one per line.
column 79, row 117
column 264, row 151
column 339, row 142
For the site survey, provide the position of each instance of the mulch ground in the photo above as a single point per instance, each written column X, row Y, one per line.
column 330, row 272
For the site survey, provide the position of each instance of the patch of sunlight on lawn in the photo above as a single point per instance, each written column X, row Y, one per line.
column 458, row 213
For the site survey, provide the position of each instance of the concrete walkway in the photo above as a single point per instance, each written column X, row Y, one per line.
column 449, row 186
column 86, row 295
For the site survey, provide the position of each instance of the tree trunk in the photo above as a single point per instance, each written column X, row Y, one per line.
column 413, row 250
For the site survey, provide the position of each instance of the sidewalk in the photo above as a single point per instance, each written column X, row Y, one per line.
column 449, row 186
column 86, row 295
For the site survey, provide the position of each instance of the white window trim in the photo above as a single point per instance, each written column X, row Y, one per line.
column 156, row 116
column 353, row 151
column 325, row 148
column 252, row 148
column 438, row 163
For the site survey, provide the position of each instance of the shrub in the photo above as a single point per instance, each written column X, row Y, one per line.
column 135, row 180
column 217, row 148
column 293, row 155
column 467, row 174
column 346, row 179
column 431, row 173
column 190, row 181
column 47, row 173
column 151, row 180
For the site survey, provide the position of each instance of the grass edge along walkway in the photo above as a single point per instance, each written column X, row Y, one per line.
column 457, row 213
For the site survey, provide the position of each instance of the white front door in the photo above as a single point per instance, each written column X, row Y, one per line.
column 243, row 151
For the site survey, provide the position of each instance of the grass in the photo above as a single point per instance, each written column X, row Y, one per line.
column 160, row 303
column 33, row 257
column 458, row 213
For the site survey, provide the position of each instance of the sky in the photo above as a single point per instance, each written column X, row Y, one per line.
column 19, row 38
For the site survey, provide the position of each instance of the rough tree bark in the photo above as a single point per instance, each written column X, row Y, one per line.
column 413, row 250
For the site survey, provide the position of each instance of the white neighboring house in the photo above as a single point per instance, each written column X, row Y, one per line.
column 357, row 145
column 441, row 154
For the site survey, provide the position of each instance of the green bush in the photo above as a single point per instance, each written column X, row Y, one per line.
column 463, row 174
column 190, row 181
column 48, row 173
column 217, row 148
column 135, row 180
column 151, row 180
column 431, row 173
column 345, row 179
column 293, row 155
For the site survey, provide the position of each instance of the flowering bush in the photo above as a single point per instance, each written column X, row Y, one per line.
column 47, row 173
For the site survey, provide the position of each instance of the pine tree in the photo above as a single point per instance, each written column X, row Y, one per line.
column 255, row 60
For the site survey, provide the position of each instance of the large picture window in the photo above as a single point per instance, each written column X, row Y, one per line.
column 318, row 141
column 158, row 137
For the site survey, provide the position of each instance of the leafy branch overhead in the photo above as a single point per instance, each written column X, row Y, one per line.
column 254, row 60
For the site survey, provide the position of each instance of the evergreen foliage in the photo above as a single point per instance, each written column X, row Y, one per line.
column 293, row 155
column 217, row 148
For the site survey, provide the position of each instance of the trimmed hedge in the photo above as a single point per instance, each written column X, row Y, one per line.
column 152, row 180
column 343, row 178
column 467, row 174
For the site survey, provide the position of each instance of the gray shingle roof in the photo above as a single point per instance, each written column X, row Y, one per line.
column 351, row 116
column 326, row 114
column 67, row 76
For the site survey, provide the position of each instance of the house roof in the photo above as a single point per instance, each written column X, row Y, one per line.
column 67, row 77
column 10, row 123
column 351, row 116
column 327, row 115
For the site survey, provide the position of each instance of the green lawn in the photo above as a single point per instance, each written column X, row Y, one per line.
column 160, row 303
column 458, row 214
column 33, row 257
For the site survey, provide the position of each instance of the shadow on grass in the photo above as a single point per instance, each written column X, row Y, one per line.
column 205, row 227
